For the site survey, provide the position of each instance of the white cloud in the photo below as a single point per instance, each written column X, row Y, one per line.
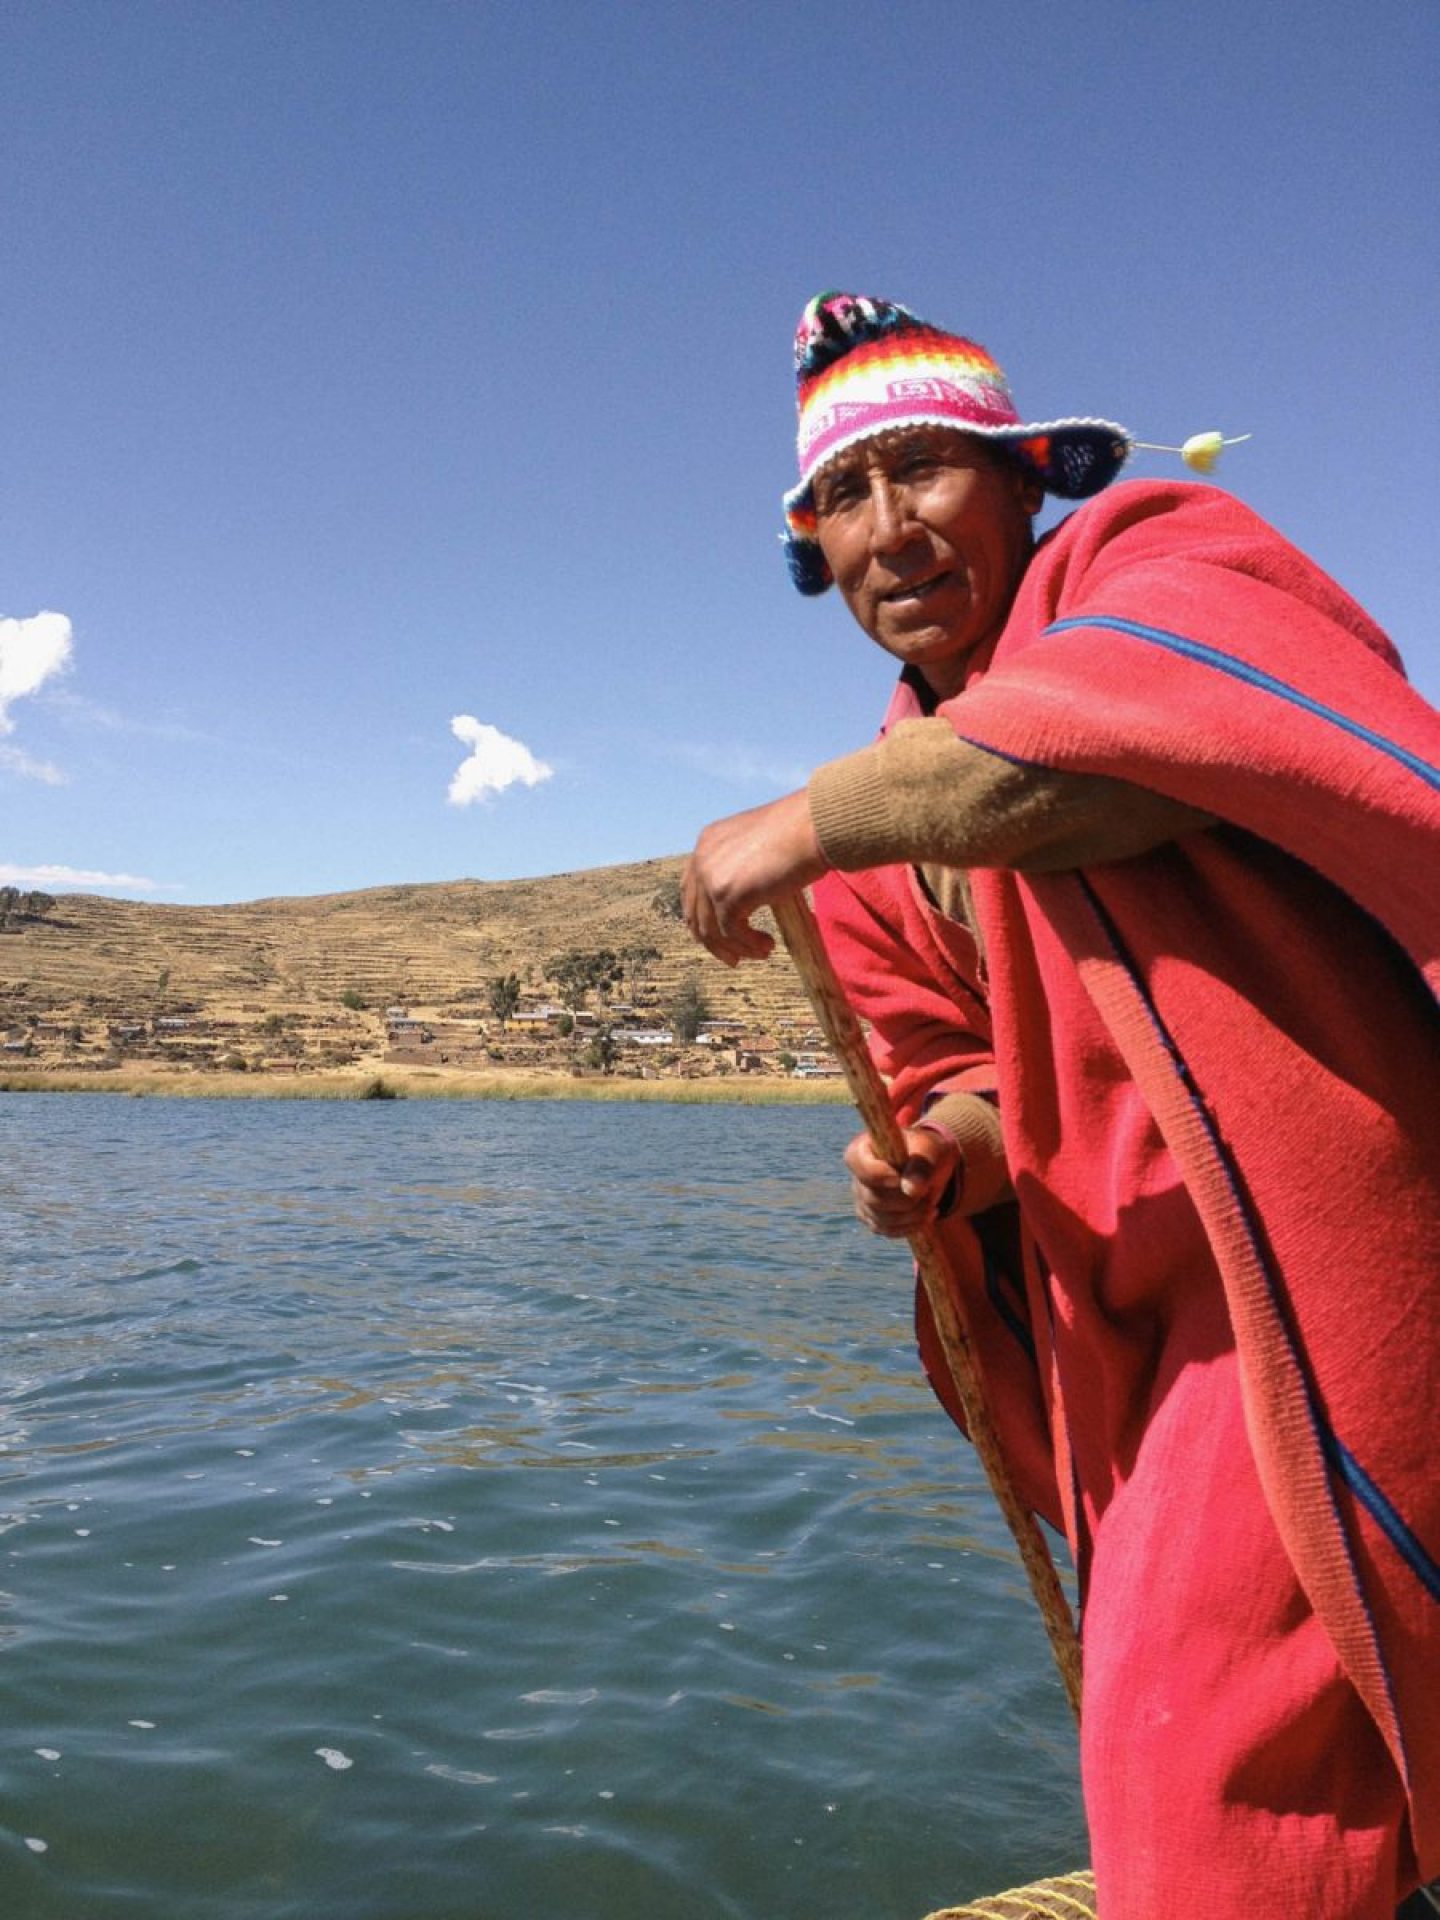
column 16, row 760
column 79, row 879
column 495, row 762
column 31, row 651
column 74, row 708
column 736, row 765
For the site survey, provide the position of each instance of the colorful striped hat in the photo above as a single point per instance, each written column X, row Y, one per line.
column 864, row 366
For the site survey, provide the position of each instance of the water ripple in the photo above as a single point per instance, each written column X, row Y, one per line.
column 449, row 1512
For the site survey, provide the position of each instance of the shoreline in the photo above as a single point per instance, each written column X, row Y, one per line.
column 420, row 1083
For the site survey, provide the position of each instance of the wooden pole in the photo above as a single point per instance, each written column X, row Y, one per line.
column 802, row 938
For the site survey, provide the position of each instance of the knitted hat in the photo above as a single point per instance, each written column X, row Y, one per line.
column 865, row 366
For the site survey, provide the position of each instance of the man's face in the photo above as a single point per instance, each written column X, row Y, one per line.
column 927, row 532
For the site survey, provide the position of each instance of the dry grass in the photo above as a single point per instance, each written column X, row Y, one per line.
column 402, row 1083
column 311, row 979
column 433, row 946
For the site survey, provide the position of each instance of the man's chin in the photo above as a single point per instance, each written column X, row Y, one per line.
column 924, row 644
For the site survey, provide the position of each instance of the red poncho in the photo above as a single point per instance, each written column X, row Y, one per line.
column 1218, row 1070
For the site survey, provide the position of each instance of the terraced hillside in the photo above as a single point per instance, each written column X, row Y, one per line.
column 318, row 975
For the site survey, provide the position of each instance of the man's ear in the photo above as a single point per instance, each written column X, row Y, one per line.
column 1031, row 490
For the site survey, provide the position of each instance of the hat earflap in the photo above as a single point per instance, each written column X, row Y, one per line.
column 809, row 569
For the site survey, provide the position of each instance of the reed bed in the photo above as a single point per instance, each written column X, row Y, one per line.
column 400, row 1083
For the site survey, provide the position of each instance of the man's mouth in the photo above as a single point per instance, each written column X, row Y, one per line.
column 915, row 589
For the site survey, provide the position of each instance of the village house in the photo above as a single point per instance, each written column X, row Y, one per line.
column 643, row 1037
column 758, row 1053
column 719, row 1033
column 815, row 1066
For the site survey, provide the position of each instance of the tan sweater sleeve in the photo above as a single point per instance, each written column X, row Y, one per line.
column 973, row 1123
column 923, row 794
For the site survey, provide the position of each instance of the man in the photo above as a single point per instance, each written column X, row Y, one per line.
column 1138, row 893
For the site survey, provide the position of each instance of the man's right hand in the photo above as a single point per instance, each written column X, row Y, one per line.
column 743, row 863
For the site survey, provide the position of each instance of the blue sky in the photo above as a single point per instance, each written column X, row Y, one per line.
column 374, row 368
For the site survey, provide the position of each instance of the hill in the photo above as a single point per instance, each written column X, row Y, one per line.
column 397, row 974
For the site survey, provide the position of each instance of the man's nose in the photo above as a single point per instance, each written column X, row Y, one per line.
column 890, row 524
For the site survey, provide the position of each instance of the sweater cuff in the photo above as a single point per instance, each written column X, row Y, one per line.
column 973, row 1123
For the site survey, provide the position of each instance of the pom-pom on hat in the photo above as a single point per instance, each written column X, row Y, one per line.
column 863, row 367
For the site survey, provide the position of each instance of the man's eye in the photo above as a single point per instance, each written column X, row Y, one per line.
column 840, row 495
column 915, row 466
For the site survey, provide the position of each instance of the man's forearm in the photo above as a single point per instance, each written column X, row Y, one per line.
column 923, row 794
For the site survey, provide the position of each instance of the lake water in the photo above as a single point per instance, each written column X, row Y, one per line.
column 431, row 1511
